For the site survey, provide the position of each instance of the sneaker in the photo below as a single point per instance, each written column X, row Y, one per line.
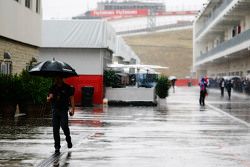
column 70, row 145
column 57, row 151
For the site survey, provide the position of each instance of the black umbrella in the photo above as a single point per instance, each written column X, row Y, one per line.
column 53, row 68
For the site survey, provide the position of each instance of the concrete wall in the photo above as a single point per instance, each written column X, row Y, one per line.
column 130, row 94
column 21, row 54
column 85, row 61
column 107, row 58
column 89, row 65
column 19, row 22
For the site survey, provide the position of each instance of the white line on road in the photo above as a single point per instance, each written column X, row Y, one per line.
column 229, row 115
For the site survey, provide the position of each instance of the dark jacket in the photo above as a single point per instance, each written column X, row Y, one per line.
column 229, row 85
column 61, row 96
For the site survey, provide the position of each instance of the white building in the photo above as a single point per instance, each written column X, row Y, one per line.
column 222, row 39
column 86, row 45
column 20, row 33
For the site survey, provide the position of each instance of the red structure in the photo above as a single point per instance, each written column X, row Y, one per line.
column 81, row 81
column 185, row 82
column 125, row 13
column 114, row 13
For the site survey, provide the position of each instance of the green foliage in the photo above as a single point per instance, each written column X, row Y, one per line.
column 10, row 86
column 109, row 78
column 23, row 88
column 33, row 89
column 162, row 87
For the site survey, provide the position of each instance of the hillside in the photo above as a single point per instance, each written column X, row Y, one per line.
column 172, row 49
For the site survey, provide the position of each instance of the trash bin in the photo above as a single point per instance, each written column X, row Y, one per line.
column 189, row 84
column 87, row 96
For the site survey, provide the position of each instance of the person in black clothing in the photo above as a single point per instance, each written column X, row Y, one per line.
column 222, row 86
column 229, row 86
column 203, row 91
column 60, row 96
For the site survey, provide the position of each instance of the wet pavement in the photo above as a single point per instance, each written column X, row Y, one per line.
column 185, row 135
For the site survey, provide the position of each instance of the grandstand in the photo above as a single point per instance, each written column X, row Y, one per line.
column 116, row 5
column 139, row 16
column 123, row 9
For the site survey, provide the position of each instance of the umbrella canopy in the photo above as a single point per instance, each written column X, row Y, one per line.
column 138, row 66
column 53, row 68
column 172, row 78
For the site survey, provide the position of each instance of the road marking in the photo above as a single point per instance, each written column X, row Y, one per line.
column 51, row 160
column 54, row 158
column 229, row 115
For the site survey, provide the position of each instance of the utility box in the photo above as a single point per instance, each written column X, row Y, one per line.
column 87, row 96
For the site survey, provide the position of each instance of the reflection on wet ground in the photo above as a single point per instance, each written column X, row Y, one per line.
column 183, row 135
column 238, row 106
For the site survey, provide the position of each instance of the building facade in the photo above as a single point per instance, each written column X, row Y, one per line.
column 222, row 39
column 86, row 45
column 20, row 34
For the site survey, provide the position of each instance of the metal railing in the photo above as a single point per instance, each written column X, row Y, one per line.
column 157, row 28
column 214, row 14
column 240, row 38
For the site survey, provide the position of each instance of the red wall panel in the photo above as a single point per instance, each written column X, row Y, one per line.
column 87, row 80
column 184, row 82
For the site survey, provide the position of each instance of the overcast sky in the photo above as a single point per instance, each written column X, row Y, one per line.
column 67, row 8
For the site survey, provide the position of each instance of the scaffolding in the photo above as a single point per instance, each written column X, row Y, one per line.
column 151, row 19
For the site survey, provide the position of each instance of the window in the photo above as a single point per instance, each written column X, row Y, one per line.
column 28, row 3
column 38, row 6
column 6, row 67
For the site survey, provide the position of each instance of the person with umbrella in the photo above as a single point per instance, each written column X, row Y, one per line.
column 173, row 80
column 60, row 96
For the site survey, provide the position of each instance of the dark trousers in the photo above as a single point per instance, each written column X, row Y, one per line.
column 202, row 97
column 60, row 118
column 229, row 93
column 222, row 91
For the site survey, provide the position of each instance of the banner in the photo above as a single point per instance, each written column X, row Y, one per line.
column 123, row 12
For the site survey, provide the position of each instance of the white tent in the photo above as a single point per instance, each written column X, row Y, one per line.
column 137, row 66
column 143, row 66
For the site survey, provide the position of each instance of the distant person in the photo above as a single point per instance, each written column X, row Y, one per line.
column 203, row 91
column 229, row 86
column 222, row 87
column 60, row 96
column 173, row 84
